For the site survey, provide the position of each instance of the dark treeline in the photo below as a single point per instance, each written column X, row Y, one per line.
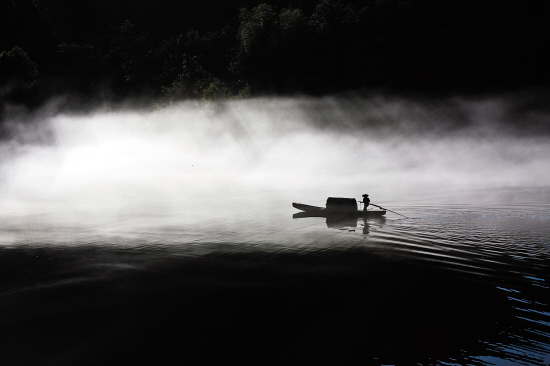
column 170, row 50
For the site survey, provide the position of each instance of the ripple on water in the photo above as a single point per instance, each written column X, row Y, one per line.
column 508, row 247
column 480, row 272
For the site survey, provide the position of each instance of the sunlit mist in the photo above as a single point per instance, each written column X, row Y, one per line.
column 268, row 151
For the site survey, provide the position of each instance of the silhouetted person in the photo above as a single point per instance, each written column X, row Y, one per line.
column 366, row 201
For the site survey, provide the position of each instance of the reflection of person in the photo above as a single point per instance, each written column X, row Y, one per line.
column 366, row 202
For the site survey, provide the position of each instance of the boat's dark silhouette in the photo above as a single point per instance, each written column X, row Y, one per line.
column 335, row 211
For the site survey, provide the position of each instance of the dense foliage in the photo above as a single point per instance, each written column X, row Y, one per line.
column 170, row 50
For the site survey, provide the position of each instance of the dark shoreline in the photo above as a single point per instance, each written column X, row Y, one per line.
column 220, row 50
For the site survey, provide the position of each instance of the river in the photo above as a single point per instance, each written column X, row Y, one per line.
column 168, row 237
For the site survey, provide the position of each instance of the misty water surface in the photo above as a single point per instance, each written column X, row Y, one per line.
column 185, row 212
column 200, row 160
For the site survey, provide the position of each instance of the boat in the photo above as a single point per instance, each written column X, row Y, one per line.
column 334, row 211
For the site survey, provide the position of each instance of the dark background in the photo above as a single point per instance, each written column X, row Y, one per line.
column 129, row 307
column 168, row 50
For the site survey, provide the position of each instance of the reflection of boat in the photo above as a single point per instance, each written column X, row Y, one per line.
column 315, row 211
column 342, row 219
column 342, row 222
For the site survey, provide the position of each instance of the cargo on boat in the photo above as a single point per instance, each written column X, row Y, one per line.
column 341, row 204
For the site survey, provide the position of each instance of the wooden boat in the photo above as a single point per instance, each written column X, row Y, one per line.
column 315, row 211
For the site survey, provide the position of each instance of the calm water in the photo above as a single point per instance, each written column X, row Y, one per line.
column 168, row 237
column 450, row 284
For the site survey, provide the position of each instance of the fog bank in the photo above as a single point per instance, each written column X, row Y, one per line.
column 273, row 151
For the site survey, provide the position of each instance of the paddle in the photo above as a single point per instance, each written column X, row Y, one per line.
column 388, row 210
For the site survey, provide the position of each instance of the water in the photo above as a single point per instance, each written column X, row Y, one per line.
column 126, row 242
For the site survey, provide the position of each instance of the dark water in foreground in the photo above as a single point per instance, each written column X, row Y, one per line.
column 451, row 284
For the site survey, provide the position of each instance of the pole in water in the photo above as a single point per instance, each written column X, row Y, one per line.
column 389, row 210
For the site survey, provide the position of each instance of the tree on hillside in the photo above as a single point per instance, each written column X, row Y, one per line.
column 333, row 17
column 127, row 56
column 17, row 69
column 212, row 48
column 192, row 82
column 335, row 43
column 255, row 42
column 270, row 47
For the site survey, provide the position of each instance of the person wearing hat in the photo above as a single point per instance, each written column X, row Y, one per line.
column 366, row 202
